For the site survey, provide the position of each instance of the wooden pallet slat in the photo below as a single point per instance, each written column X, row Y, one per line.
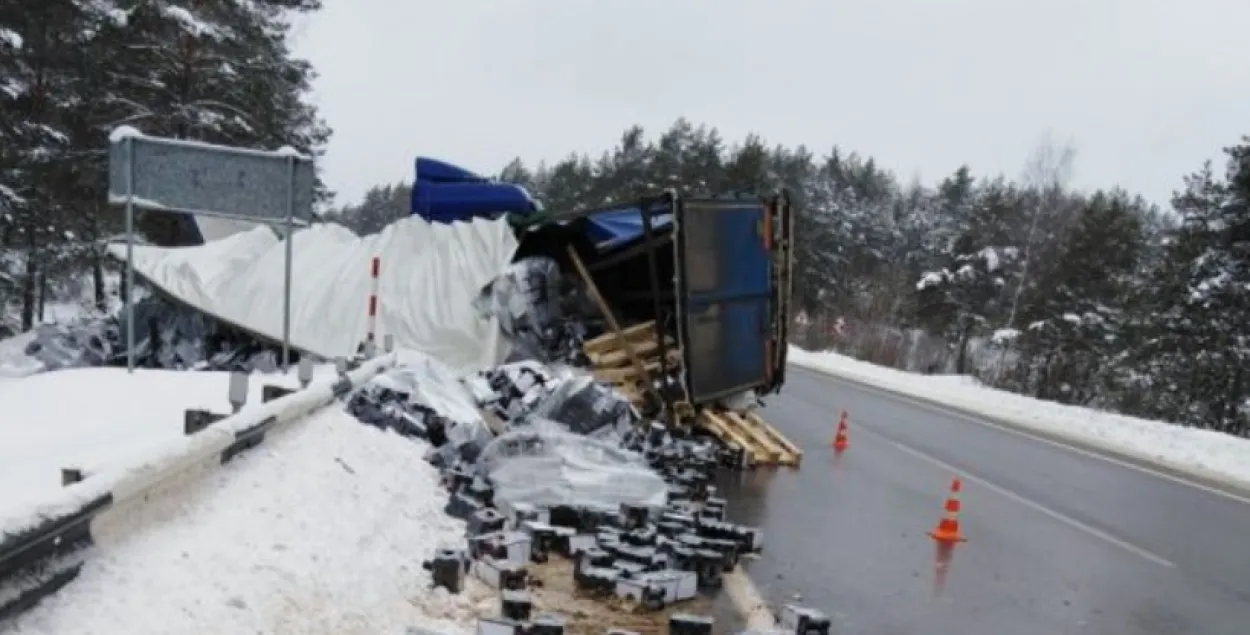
column 774, row 451
column 610, row 341
column 767, row 428
column 618, row 357
column 629, row 373
column 727, row 434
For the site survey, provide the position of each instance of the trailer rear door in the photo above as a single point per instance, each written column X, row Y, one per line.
column 725, row 291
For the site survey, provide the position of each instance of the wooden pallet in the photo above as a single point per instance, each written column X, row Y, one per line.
column 611, row 363
column 763, row 444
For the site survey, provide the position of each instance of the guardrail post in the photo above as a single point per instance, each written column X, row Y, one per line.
column 388, row 342
column 305, row 371
column 238, row 390
column 340, row 366
column 195, row 420
column 269, row 393
column 71, row 475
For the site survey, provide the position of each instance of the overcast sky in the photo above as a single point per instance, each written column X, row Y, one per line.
column 1144, row 89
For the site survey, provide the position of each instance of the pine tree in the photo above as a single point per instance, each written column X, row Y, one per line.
column 1199, row 340
column 1079, row 326
column 45, row 40
column 381, row 206
column 967, row 294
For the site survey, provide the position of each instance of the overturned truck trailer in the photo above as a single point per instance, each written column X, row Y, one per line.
column 697, row 292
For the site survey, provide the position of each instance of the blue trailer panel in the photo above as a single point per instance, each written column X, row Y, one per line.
column 725, row 290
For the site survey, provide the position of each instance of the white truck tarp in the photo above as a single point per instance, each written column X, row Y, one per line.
column 429, row 275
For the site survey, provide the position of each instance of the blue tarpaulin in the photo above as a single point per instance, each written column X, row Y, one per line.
column 615, row 227
column 446, row 193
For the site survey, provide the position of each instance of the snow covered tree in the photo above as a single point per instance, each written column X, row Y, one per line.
column 1197, row 345
column 967, row 294
column 381, row 206
column 71, row 70
column 42, row 44
column 211, row 70
column 1074, row 333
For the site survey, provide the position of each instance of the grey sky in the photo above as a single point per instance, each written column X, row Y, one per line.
column 1145, row 89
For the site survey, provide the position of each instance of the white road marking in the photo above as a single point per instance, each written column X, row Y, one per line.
column 1067, row 520
column 1021, row 431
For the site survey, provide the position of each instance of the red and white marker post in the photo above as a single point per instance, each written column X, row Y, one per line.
column 374, row 267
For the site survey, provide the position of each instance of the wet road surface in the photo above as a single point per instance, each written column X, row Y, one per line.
column 1059, row 541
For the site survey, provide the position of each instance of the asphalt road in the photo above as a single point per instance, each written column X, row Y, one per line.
column 1059, row 541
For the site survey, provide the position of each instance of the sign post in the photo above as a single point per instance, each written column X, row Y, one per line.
column 188, row 177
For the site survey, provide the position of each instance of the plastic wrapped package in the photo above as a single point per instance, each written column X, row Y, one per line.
column 542, row 464
column 527, row 299
column 588, row 407
column 430, row 383
column 424, row 398
column 511, row 390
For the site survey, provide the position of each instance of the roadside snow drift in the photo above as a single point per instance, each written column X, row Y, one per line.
column 430, row 274
column 1202, row 453
column 322, row 529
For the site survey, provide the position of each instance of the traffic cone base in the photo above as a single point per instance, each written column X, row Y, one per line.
column 947, row 531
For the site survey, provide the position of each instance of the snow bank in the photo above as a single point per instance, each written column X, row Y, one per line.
column 322, row 529
column 430, row 274
column 14, row 362
column 1202, row 453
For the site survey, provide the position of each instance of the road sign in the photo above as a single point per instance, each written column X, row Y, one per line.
column 186, row 176
column 174, row 175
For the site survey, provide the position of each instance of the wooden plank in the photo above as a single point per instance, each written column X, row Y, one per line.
column 759, row 455
column 773, row 432
column 627, row 373
column 767, row 445
column 633, row 355
column 717, row 426
column 790, row 454
column 620, row 357
column 608, row 342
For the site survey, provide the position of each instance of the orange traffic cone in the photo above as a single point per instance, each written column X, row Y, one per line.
column 840, row 440
column 947, row 530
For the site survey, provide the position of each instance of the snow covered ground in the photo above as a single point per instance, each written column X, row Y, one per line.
column 93, row 418
column 1200, row 452
column 13, row 360
column 322, row 529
